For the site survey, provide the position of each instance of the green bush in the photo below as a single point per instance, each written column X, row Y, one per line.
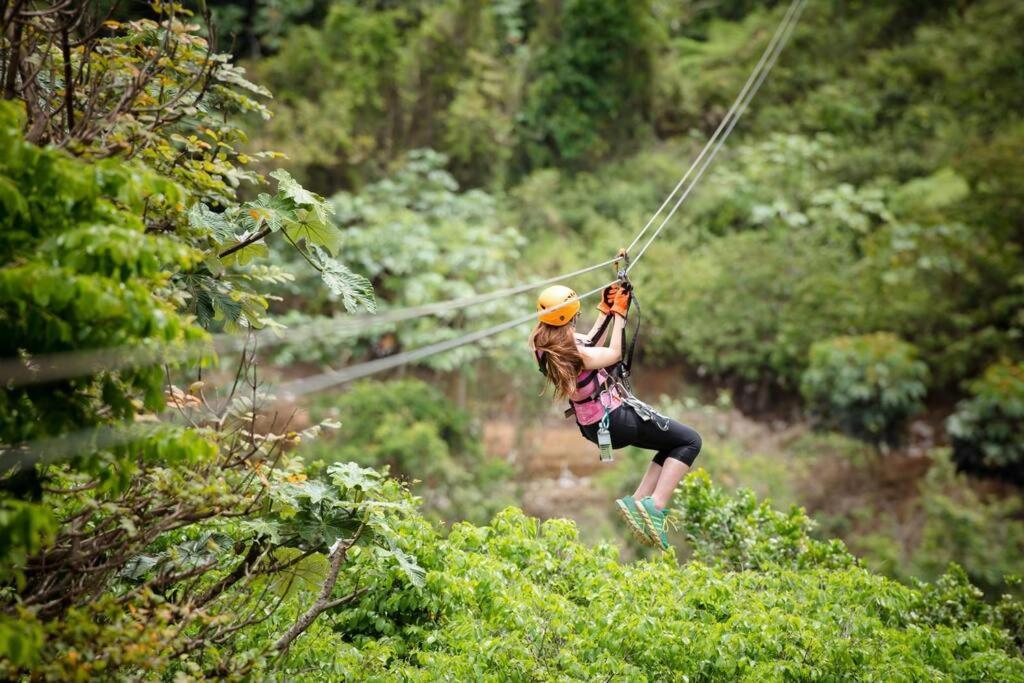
column 524, row 600
column 988, row 428
column 590, row 81
column 866, row 386
column 749, row 304
column 413, row 429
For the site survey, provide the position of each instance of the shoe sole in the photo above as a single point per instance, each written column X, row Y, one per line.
column 638, row 533
column 650, row 525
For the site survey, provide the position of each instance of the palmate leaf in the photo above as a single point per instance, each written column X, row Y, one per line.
column 354, row 290
column 274, row 212
column 290, row 188
column 408, row 564
column 220, row 225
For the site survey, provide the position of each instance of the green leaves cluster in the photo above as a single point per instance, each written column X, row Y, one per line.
column 524, row 599
column 501, row 88
column 124, row 548
column 988, row 426
column 78, row 271
column 420, row 240
column 238, row 235
column 589, row 82
column 866, row 386
column 740, row 533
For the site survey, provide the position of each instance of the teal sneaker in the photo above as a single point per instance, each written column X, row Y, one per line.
column 654, row 520
column 637, row 525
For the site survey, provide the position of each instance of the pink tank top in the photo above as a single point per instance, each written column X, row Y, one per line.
column 589, row 412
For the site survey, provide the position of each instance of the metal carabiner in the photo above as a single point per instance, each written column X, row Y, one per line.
column 621, row 274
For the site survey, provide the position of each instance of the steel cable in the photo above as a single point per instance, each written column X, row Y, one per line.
column 729, row 116
column 66, row 365
column 799, row 4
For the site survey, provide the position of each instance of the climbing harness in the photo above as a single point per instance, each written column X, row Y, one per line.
column 623, row 370
column 613, row 383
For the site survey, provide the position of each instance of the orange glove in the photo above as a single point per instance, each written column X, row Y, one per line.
column 608, row 298
column 622, row 300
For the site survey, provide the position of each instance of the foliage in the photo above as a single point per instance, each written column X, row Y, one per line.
column 419, row 240
column 524, row 599
column 589, row 82
column 151, row 88
column 728, row 310
column 875, row 191
column 949, row 519
column 237, row 236
column 988, row 427
column 931, row 278
column 130, row 543
column 347, row 67
column 866, row 386
column 740, row 533
column 173, row 571
column 79, row 271
column 412, row 429
column 500, row 88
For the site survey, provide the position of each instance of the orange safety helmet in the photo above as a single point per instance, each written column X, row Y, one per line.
column 556, row 295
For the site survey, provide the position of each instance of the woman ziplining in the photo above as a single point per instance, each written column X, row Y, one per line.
column 586, row 372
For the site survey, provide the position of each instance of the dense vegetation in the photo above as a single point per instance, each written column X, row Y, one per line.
column 859, row 246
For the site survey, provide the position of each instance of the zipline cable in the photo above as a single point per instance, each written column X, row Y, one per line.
column 799, row 4
column 67, row 365
column 730, row 114
column 325, row 380
column 53, row 449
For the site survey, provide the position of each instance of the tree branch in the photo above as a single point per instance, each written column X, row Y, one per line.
column 69, row 79
column 256, row 237
column 323, row 601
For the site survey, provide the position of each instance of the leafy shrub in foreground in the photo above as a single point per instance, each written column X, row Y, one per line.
column 988, row 427
column 866, row 386
column 525, row 600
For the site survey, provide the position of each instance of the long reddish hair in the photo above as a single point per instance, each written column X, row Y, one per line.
column 562, row 359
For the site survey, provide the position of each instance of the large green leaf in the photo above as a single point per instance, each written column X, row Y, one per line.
column 354, row 290
column 221, row 225
column 291, row 189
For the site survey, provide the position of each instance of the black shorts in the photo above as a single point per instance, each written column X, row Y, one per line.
column 627, row 429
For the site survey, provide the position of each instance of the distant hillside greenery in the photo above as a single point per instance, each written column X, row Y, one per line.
column 872, row 187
